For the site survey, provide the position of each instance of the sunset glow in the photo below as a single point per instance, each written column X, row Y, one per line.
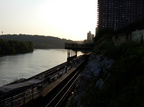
column 70, row 19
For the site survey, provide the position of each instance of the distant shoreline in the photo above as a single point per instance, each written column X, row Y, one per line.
column 12, row 47
column 39, row 42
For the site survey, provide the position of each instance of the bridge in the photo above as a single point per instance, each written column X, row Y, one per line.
column 79, row 47
column 74, row 47
column 50, row 88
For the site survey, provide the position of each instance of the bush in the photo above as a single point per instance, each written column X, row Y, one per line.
column 125, row 86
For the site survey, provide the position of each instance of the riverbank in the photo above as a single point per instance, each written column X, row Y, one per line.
column 12, row 47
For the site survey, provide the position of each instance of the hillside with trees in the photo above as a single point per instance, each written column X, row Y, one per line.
column 15, row 47
column 40, row 42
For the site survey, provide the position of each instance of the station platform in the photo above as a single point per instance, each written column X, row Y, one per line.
column 51, row 86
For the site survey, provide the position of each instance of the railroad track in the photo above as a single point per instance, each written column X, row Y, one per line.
column 59, row 94
column 53, row 71
column 37, row 91
column 62, row 93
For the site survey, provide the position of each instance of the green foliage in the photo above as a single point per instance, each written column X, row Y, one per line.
column 125, row 86
column 103, row 40
column 104, row 44
column 40, row 42
column 15, row 47
column 101, row 32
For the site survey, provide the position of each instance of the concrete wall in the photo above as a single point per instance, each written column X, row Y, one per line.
column 137, row 36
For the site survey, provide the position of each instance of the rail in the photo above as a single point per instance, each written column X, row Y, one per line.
column 17, row 95
column 66, row 87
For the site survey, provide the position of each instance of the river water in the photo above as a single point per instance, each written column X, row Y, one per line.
column 14, row 67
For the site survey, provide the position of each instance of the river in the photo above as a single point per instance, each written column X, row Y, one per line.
column 14, row 67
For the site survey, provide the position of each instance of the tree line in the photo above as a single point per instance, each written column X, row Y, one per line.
column 15, row 47
column 39, row 41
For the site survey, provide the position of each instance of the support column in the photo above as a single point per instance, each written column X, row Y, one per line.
column 76, row 53
column 71, row 54
column 68, row 54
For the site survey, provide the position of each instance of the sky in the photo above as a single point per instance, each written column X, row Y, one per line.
column 69, row 19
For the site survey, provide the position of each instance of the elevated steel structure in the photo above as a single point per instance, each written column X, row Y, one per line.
column 74, row 47
column 79, row 47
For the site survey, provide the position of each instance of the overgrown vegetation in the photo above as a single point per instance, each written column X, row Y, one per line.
column 124, row 87
column 15, row 47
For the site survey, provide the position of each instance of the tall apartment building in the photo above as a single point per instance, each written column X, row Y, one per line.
column 90, row 37
column 117, row 14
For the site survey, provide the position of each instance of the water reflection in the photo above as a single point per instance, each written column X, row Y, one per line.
column 26, row 65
